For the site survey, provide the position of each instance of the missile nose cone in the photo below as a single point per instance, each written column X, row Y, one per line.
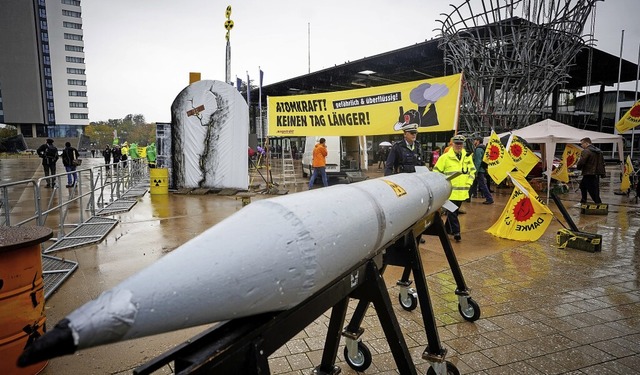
column 55, row 343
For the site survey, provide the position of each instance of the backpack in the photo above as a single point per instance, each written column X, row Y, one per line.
column 51, row 151
column 483, row 165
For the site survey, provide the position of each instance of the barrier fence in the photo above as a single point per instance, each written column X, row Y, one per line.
column 31, row 202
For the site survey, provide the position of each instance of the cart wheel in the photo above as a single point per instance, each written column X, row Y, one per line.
column 361, row 361
column 451, row 370
column 410, row 303
column 471, row 313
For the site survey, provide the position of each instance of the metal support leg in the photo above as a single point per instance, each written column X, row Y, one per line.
column 434, row 353
column 467, row 307
column 330, row 352
column 389, row 322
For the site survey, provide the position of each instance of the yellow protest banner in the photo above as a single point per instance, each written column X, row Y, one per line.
column 433, row 104
column 495, row 155
column 522, row 156
column 630, row 120
column 525, row 217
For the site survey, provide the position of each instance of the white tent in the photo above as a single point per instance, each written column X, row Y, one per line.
column 550, row 133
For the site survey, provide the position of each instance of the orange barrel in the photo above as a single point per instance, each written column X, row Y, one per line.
column 22, row 317
column 159, row 180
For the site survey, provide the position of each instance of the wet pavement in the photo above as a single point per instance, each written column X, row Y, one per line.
column 545, row 310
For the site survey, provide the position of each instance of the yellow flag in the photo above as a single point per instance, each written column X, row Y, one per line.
column 495, row 155
column 570, row 157
column 626, row 175
column 630, row 120
column 561, row 172
column 526, row 217
column 571, row 154
column 522, row 156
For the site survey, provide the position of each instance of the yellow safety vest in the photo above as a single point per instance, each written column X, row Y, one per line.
column 448, row 164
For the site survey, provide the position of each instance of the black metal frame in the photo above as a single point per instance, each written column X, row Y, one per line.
column 243, row 345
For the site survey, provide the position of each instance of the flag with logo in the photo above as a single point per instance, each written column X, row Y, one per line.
column 522, row 156
column 626, row 175
column 570, row 157
column 525, row 217
column 495, row 155
column 630, row 120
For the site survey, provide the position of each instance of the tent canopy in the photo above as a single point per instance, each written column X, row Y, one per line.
column 550, row 133
column 547, row 131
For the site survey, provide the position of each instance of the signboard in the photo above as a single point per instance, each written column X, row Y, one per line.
column 433, row 104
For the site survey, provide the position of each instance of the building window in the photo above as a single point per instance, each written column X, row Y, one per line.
column 73, row 59
column 72, row 36
column 47, row 60
column 77, row 105
column 48, row 83
column 44, row 36
column 47, row 72
column 71, row 48
column 43, row 25
column 72, row 25
column 42, row 12
column 77, row 93
column 75, row 71
column 70, row 13
column 70, row 2
column 49, row 94
column 79, row 116
column 45, row 48
column 76, row 82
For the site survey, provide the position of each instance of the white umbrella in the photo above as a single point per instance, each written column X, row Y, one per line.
column 385, row 143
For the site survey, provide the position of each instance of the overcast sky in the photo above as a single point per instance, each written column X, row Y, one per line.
column 139, row 52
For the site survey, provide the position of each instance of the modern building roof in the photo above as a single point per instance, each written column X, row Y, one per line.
column 425, row 60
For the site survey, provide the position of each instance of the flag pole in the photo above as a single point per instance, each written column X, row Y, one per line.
column 261, row 132
column 635, row 99
column 617, row 106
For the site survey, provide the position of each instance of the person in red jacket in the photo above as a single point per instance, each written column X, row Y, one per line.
column 319, row 163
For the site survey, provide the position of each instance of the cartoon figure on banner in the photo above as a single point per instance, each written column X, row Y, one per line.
column 425, row 97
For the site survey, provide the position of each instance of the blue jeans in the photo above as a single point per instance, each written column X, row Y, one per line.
column 482, row 186
column 323, row 174
column 71, row 177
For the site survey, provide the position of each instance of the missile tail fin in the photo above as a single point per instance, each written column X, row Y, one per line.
column 57, row 342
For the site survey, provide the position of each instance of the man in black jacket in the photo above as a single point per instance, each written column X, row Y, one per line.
column 49, row 154
column 69, row 157
column 405, row 155
column 591, row 164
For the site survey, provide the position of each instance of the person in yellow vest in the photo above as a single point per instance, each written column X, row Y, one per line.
column 125, row 154
column 456, row 160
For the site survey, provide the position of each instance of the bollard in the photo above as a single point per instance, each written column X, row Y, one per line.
column 22, row 317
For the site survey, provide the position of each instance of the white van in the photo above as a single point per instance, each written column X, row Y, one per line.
column 346, row 156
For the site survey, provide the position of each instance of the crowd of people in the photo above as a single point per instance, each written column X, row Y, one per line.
column 71, row 160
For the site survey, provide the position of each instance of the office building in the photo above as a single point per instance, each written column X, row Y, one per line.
column 43, row 85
